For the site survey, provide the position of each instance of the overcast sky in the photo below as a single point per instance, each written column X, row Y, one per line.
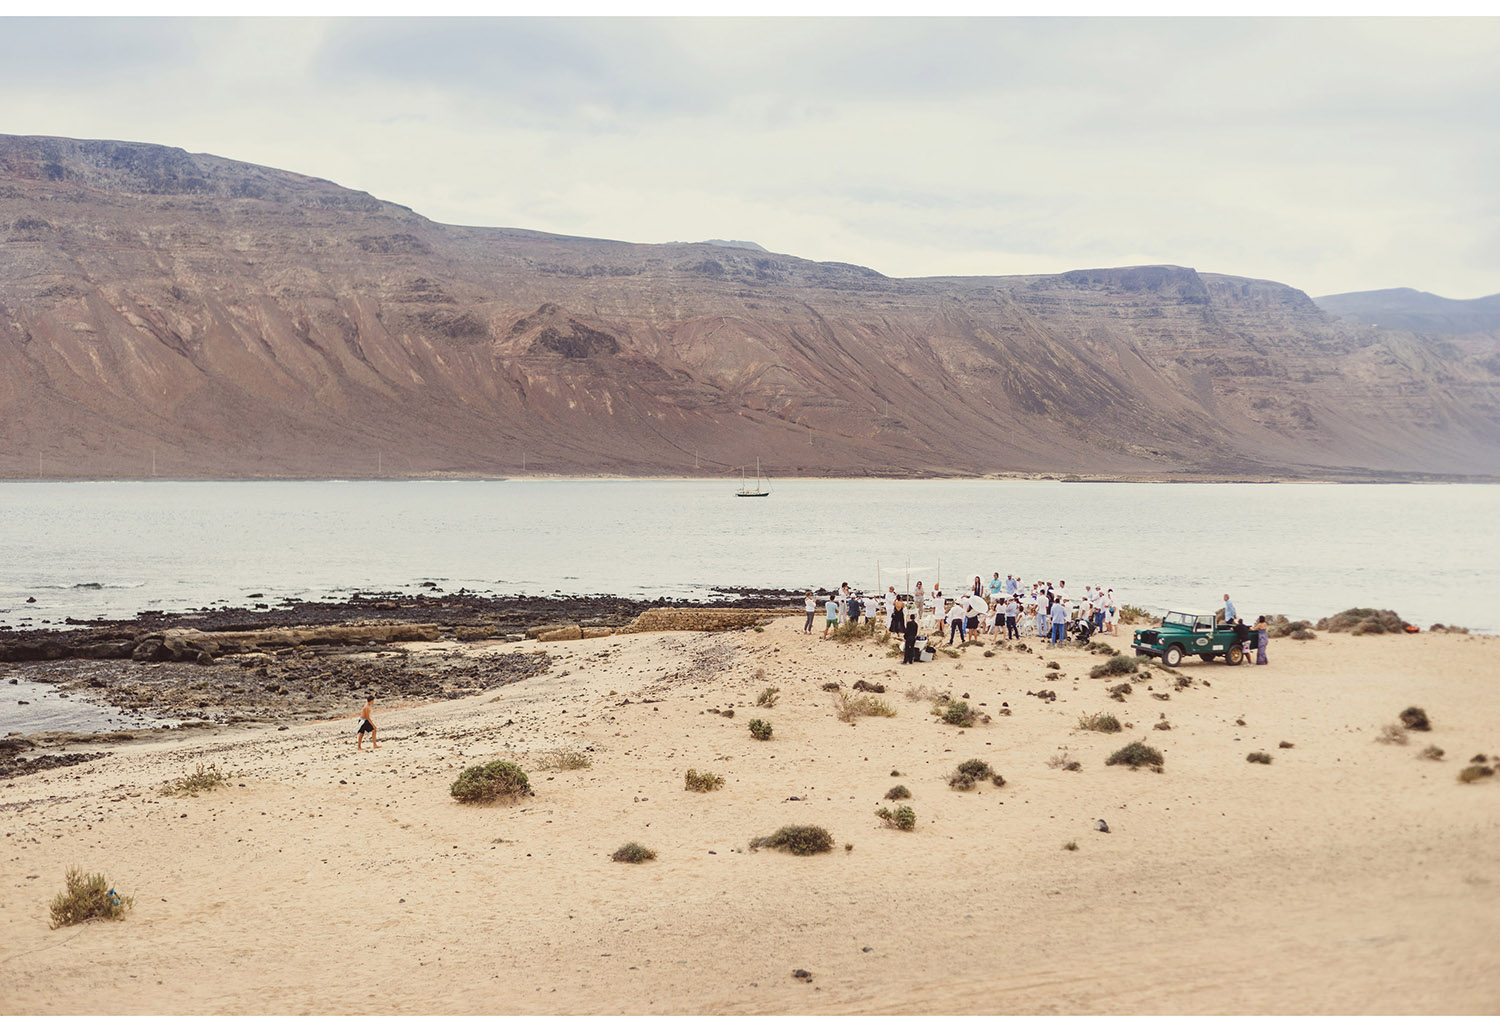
column 1331, row 154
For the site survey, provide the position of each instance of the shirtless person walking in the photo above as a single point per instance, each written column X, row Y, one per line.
column 366, row 724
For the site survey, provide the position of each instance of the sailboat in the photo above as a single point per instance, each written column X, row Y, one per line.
column 745, row 492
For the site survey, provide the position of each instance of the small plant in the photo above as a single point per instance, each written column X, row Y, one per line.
column 1115, row 666
column 1392, row 734
column 87, row 897
column 760, row 673
column 961, row 782
column 959, row 714
column 767, row 698
column 1065, row 762
column 486, row 782
column 707, row 781
column 632, row 853
column 1106, row 722
column 898, row 792
column 1136, row 754
column 1432, row 752
column 852, row 632
column 904, row 819
column 1415, row 719
column 1133, row 614
column 831, row 686
column 869, row 686
column 976, row 769
column 760, row 730
column 1475, row 772
column 564, row 759
column 204, row 779
column 950, row 653
column 1259, row 757
column 797, row 839
column 849, row 708
column 1071, row 845
column 1284, row 745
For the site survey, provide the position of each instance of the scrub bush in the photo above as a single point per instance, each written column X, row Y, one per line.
column 797, row 839
column 486, row 782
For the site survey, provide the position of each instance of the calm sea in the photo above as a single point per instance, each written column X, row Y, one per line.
column 86, row 550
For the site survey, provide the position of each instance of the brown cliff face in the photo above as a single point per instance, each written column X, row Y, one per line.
column 242, row 321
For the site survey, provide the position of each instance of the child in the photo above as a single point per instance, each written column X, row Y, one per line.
column 366, row 725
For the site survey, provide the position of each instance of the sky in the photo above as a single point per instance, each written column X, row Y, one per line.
column 1333, row 154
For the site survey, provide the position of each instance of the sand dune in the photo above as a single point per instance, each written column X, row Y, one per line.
column 1348, row 876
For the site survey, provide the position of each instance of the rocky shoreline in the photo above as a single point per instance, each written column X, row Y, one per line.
column 303, row 661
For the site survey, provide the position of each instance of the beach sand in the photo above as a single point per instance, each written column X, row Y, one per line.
column 1348, row 876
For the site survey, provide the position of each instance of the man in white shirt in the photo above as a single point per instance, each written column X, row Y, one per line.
column 1012, row 611
column 956, row 620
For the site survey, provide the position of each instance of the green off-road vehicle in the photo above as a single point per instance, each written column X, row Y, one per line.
column 1183, row 634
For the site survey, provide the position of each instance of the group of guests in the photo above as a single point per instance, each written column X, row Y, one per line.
column 1002, row 604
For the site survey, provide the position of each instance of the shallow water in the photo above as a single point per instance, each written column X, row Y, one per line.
column 32, row 706
column 112, row 549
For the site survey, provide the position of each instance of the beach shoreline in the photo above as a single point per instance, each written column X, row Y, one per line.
column 1348, row 876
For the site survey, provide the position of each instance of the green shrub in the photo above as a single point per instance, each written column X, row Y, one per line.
column 1475, row 772
column 1415, row 719
column 1116, row 666
column 486, row 782
column 760, row 730
column 899, row 792
column 798, row 839
column 767, row 698
column 849, row 708
column 1432, row 752
column 632, row 853
column 1136, row 754
column 204, row 779
column 976, row 769
column 87, row 897
column 959, row 713
column 852, row 632
column 704, row 782
column 1259, row 757
column 1106, row 722
column 904, row 819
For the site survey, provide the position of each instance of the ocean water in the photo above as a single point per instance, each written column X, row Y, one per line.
column 28, row 706
column 112, row 549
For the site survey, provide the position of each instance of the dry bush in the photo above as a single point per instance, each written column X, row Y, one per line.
column 849, row 708
column 1475, row 772
column 1438, row 628
column 87, row 897
column 563, row 759
column 1259, row 757
column 632, row 853
column 959, row 714
column 767, row 698
column 707, row 781
column 1071, row 845
column 798, row 839
column 920, row 693
column 1133, row 614
column 1116, row 666
column 760, row 730
column 898, row 792
column 1392, row 734
column 1106, row 722
column 1432, row 752
column 1064, row 761
column 869, row 686
column 204, row 779
column 1415, row 719
column 1363, row 621
column 851, row 632
column 486, row 782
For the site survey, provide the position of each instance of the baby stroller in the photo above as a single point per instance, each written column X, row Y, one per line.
column 1081, row 630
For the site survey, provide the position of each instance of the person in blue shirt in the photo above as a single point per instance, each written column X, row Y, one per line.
column 996, row 586
column 1229, row 613
column 831, row 611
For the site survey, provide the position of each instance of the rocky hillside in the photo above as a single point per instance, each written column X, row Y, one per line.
column 1406, row 309
column 233, row 320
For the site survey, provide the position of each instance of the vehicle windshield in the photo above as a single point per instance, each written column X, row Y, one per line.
column 1185, row 619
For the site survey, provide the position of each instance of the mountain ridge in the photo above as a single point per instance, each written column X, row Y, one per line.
column 244, row 321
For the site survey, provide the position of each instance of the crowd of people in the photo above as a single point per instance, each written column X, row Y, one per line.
column 999, row 606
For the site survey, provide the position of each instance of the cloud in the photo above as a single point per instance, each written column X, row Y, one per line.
column 1333, row 154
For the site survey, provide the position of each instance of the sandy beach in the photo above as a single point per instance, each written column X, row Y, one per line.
column 1348, row 876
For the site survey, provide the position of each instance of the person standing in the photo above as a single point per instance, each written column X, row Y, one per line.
column 366, row 726
column 919, row 598
column 898, row 614
column 812, row 609
column 956, row 620
column 976, row 609
column 909, row 633
column 1043, row 615
column 997, row 587
column 1012, row 611
column 1229, row 613
column 1262, row 637
column 1059, row 621
column 831, row 615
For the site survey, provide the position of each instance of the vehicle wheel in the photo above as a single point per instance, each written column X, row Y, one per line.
column 1172, row 656
column 1234, row 656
